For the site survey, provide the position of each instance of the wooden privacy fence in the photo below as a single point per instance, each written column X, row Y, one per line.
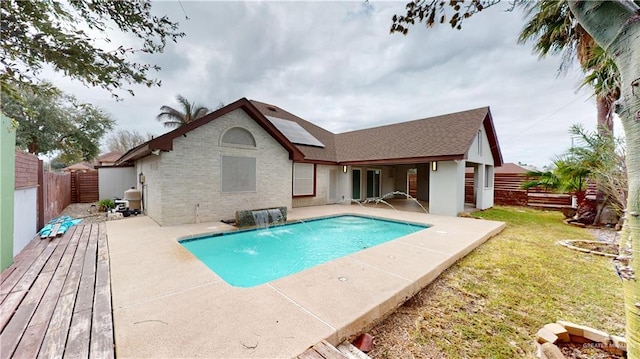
column 53, row 189
column 84, row 187
column 508, row 192
column 56, row 195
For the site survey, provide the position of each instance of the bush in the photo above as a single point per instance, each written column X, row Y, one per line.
column 105, row 205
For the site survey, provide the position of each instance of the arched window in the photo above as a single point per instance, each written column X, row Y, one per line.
column 238, row 136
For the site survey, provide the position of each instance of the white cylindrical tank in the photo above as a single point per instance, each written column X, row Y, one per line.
column 133, row 196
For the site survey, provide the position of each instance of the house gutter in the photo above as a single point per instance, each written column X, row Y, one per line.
column 401, row 161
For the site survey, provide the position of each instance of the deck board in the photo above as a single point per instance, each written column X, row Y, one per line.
column 16, row 273
column 322, row 350
column 102, row 335
column 55, row 298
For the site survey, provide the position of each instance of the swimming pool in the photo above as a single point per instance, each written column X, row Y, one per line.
column 252, row 257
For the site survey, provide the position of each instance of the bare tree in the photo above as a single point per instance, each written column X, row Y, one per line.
column 124, row 140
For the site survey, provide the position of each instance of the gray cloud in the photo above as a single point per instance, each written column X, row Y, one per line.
column 335, row 64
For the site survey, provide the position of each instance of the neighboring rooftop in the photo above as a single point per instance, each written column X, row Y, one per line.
column 79, row 167
column 109, row 157
column 510, row 168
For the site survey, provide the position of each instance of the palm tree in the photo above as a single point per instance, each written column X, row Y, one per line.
column 553, row 28
column 173, row 118
column 604, row 156
column 569, row 175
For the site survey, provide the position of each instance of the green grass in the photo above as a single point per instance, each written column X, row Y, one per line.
column 491, row 303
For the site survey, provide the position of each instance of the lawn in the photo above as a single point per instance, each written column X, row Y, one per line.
column 491, row 303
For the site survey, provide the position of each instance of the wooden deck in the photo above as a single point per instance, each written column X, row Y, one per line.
column 324, row 350
column 55, row 299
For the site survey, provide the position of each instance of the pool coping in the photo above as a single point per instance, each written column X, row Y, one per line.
column 169, row 304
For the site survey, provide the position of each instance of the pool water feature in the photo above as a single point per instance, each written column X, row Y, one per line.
column 252, row 257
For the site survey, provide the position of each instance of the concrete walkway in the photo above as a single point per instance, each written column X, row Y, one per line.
column 166, row 303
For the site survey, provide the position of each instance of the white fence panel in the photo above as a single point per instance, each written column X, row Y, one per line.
column 25, row 217
column 113, row 181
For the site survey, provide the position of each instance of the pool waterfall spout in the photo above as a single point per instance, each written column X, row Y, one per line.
column 261, row 217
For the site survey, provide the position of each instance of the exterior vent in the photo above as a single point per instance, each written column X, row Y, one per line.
column 272, row 108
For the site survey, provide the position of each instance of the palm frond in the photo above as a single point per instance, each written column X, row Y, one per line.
column 174, row 118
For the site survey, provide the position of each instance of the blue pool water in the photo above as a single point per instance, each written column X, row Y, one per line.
column 253, row 257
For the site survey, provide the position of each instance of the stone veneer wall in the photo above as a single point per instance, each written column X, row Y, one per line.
column 189, row 176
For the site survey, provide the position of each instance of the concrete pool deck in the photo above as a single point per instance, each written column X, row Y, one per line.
column 166, row 303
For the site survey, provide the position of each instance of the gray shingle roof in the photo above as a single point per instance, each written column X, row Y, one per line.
column 436, row 138
column 445, row 137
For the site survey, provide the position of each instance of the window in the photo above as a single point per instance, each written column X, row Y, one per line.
column 479, row 143
column 238, row 136
column 304, row 179
column 238, row 174
column 488, row 176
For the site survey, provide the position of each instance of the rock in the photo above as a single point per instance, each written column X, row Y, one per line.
column 364, row 342
column 559, row 331
column 544, row 335
column 551, row 351
column 114, row 216
column 573, row 328
column 596, row 335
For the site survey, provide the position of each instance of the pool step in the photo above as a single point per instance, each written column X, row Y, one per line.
column 324, row 350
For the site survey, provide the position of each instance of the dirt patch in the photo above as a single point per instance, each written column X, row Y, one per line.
column 88, row 212
column 601, row 247
column 586, row 351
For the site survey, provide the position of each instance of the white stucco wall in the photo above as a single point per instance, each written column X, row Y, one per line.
column 343, row 186
column 25, row 212
column 483, row 158
column 113, row 181
column 480, row 154
column 189, row 176
column 387, row 180
column 446, row 188
column 484, row 189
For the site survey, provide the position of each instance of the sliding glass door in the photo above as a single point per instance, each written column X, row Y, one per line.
column 356, row 180
column 373, row 183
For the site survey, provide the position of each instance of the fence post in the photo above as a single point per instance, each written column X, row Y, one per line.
column 41, row 195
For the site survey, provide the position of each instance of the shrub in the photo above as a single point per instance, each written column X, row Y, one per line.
column 105, row 205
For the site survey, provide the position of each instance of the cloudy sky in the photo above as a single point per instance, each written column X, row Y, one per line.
column 335, row 64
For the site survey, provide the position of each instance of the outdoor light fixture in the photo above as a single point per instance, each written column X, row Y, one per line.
column 434, row 166
column 344, row 169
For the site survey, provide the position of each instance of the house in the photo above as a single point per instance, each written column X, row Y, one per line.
column 79, row 167
column 251, row 155
column 109, row 158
